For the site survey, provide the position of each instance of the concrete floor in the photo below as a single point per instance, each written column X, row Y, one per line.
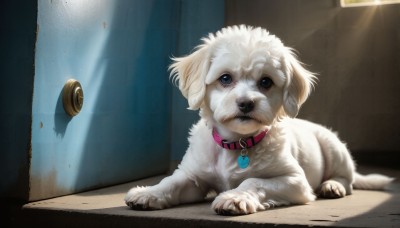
column 106, row 208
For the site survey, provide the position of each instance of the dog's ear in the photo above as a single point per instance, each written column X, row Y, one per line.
column 298, row 85
column 190, row 71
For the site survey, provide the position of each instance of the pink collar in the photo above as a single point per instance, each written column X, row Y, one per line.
column 241, row 144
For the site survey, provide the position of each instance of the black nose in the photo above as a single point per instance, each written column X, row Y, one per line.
column 245, row 105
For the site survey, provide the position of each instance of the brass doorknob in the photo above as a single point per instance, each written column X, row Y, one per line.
column 72, row 97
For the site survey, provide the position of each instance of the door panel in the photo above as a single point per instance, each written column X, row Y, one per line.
column 119, row 51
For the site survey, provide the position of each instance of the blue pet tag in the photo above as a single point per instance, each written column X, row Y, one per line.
column 243, row 161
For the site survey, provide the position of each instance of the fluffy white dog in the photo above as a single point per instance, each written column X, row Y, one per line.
column 247, row 146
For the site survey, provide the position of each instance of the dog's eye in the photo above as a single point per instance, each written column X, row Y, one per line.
column 266, row 83
column 225, row 79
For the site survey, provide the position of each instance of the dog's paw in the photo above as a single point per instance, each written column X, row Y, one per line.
column 331, row 189
column 144, row 198
column 237, row 203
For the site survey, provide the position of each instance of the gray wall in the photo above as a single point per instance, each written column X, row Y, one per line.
column 355, row 51
column 17, row 42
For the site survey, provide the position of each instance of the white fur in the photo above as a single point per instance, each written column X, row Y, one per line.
column 296, row 160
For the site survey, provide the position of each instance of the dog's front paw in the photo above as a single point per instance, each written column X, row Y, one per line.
column 331, row 189
column 144, row 198
column 236, row 203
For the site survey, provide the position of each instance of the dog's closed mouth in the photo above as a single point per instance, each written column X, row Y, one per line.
column 244, row 118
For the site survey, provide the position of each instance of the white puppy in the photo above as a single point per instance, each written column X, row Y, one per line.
column 247, row 145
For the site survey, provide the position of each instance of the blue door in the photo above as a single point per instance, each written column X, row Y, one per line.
column 119, row 52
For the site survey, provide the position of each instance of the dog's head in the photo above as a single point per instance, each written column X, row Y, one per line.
column 243, row 78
